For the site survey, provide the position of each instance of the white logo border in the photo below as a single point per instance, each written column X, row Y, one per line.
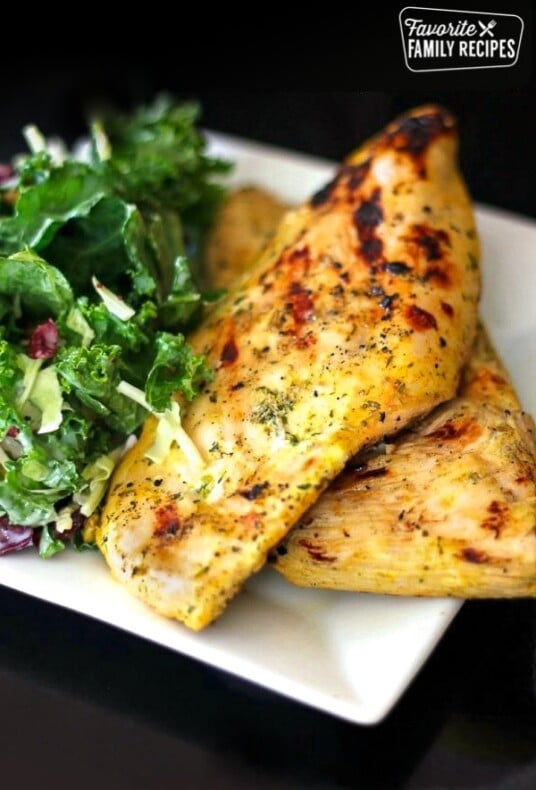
column 458, row 11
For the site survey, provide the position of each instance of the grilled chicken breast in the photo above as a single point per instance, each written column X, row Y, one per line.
column 244, row 225
column 355, row 322
column 446, row 508
column 354, row 506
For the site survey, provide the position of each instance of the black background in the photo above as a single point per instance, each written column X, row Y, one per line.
column 498, row 128
column 84, row 705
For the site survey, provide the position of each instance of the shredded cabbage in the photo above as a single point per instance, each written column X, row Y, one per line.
column 114, row 303
column 46, row 395
column 97, row 475
column 77, row 323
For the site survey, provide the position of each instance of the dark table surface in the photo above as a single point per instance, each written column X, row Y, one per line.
column 85, row 705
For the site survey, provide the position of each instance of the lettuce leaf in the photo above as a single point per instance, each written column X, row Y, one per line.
column 158, row 160
column 42, row 289
column 49, row 544
column 175, row 369
column 93, row 375
column 132, row 335
column 69, row 191
column 132, row 218
column 108, row 243
column 183, row 300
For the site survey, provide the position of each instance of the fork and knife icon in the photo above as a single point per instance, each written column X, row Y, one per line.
column 487, row 28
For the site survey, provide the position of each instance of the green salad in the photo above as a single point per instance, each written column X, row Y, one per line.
column 99, row 277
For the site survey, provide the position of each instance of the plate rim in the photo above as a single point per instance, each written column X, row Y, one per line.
column 366, row 713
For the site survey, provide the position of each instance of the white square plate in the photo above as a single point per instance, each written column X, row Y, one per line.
column 348, row 654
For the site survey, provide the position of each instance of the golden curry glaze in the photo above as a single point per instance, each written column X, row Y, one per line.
column 355, row 322
column 448, row 508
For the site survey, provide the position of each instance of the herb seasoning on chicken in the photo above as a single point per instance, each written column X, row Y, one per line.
column 446, row 508
column 338, row 338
